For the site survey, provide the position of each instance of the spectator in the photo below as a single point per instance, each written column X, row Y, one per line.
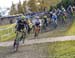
column 70, row 11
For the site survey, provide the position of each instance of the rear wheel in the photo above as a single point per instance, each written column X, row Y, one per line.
column 37, row 30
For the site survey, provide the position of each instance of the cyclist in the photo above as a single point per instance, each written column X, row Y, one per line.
column 63, row 15
column 37, row 26
column 54, row 19
column 45, row 23
column 20, row 29
column 30, row 26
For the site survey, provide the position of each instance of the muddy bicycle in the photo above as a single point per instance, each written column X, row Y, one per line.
column 20, row 36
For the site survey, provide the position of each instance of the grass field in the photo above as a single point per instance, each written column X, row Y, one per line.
column 64, row 49
column 71, row 30
column 7, row 32
column 5, row 26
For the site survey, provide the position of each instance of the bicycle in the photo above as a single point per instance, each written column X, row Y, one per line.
column 36, row 30
column 19, row 37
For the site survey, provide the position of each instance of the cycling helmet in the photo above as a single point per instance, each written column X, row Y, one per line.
column 45, row 16
column 22, row 17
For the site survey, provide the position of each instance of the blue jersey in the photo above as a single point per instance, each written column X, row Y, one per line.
column 54, row 17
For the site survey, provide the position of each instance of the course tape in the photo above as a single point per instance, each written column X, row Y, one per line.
column 9, row 33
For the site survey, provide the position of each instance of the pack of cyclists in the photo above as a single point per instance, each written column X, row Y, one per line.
column 24, row 25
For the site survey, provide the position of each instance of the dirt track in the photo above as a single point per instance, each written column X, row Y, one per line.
column 35, row 48
column 30, row 51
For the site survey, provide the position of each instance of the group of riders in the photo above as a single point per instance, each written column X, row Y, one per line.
column 25, row 25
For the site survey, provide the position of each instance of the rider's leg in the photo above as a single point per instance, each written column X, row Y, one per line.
column 17, row 46
column 14, row 43
column 20, row 37
column 15, row 39
column 35, row 34
column 18, row 40
column 24, row 36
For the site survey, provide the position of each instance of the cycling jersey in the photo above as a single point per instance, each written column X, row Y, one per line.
column 37, row 22
column 21, row 25
column 54, row 16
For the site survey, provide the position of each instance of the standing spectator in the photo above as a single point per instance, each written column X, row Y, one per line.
column 70, row 11
column 73, row 10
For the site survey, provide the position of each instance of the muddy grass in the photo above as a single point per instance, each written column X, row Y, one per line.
column 31, row 51
column 65, row 49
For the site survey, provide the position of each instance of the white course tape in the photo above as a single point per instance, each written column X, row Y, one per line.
column 8, row 33
column 7, row 28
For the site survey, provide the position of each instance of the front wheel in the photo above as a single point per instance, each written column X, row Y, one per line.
column 16, row 46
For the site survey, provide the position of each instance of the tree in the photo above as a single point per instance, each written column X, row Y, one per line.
column 20, row 8
column 13, row 9
column 24, row 6
column 32, row 5
column 66, row 3
column 45, row 4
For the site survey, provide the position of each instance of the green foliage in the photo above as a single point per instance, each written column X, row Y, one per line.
column 13, row 9
column 20, row 8
column 44, row 5
column 66, row 3
column 24, row 6
column 33, row 6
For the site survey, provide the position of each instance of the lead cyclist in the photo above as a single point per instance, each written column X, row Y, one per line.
column 20, row 32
